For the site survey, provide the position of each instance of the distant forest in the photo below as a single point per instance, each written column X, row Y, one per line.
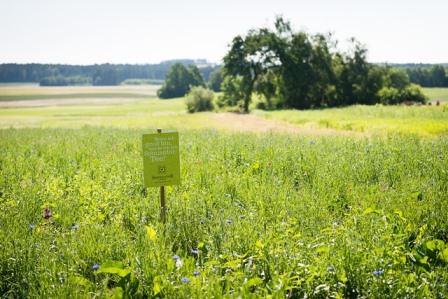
column 425, row 75
column 98, row 74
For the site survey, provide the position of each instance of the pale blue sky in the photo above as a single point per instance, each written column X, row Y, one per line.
column 149, row 31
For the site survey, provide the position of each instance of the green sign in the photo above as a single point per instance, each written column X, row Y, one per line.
column 161, row 163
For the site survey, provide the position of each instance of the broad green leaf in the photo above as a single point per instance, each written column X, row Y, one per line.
column 118, row 293
column 80, row 281
column 322, row 249
column 151, row 233
column 444, row 255
column 254, row 281
column 370, row 210
column 156, row 289
column 232, row 264
column 111, row 264
column 436, row 244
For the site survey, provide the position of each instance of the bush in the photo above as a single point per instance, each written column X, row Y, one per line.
column 199, row 99
column 392, row 95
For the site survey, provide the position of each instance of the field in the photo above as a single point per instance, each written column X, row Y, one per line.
column 338, row 203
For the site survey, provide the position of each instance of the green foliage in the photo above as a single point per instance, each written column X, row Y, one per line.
column 304, row 71
column 248, row 59
column 199, row 99
column 268, row 215
column 232, row 93
column 429, row 76
column 215, row 79
column 393, row 95
column 179, row 80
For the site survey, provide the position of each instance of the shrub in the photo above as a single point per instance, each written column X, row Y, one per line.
column 199, row 99
column 392, row 95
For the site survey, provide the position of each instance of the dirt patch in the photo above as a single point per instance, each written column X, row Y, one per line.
column 253, row 123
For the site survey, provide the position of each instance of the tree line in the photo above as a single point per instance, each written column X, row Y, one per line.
column 98, row 74
column 289, row 69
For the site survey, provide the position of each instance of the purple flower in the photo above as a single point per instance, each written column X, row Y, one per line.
column 378, row 272
column 95, row 267
column 176, row 257
column 185, row 280
column 194, row 252
column 196, row 273
column 32, row 227
column 330, row 269
column 47, row 216
column 75, row 226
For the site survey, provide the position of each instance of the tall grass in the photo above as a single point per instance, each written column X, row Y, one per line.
column 268, row 215
column 425, row 121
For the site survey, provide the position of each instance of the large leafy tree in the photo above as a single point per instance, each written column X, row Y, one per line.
column 304, row 71
column 249, row 58
column 179, row 80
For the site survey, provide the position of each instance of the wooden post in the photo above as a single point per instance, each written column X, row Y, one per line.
column 162, row 198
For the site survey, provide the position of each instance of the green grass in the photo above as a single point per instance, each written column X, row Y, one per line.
column 436, row 94
column 372, row 120
column 271, row 215
column 71, row 96
column 265, row 215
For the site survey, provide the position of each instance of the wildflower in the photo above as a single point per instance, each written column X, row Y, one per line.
column 185, row 280
column 75, row 226
column 196, row 273
column 178, row 261
column 47, row 213
column 330, row 269
column 378, row 272
column 194, row 252
column 32, row 227
column 229, row 221
column 228, row 195
column 95, row 267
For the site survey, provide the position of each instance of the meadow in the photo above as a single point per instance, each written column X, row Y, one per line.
column 321, row 211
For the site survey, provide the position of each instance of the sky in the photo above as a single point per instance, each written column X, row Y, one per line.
column 85, row 32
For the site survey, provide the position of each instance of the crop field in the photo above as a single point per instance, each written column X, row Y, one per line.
column 281, row 204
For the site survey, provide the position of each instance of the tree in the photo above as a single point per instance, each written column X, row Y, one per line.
column 248, row 59
column 437, row 76
column 179, row 80
column 215, row 79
